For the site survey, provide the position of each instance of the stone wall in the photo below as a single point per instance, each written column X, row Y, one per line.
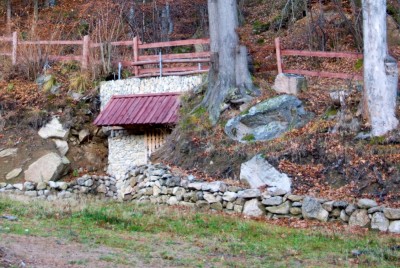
column 158, row 185
column 146, row 86
column 126, row 151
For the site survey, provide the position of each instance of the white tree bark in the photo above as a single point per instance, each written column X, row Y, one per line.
column 380, row 70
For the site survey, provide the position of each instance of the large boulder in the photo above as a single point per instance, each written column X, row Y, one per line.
column 258, row 172
column 49, row 167
column 53, row 129
column 312, row 209
column 268, row 119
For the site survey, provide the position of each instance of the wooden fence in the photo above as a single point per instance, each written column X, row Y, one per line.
column 138, row 61
column 321, row 54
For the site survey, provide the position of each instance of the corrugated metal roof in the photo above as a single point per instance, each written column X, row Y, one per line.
column 141, row 109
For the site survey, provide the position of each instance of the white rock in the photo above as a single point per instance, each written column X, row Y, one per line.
column 289, row 83
column 312, row 209
column 8, row 152
column 53, row 129
column 379, row 222
column 253, row 208
column 19, row 186
column 210, row 198
column 394, row 227
column 359, row 218
column 366, row 203
column 13, row 174
column 62, row 146
column 47, row 168
column 258, row 172
column 229, row 196
column 249, row 193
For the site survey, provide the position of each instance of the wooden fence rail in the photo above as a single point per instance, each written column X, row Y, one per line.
column 138, row 61
column 321, row 54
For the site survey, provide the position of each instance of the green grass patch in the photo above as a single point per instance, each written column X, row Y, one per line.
column 189, row 238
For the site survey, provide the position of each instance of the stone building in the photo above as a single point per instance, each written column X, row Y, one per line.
column 139, row 114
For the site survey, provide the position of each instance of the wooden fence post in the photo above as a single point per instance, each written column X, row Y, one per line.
column 14, row 48
column 136, row 54
column 278, row 54
column 85, row 52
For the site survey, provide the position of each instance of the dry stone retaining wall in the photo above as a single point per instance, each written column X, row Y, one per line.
column 158, row 185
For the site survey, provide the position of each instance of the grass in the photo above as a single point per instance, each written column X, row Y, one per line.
column 182, row 237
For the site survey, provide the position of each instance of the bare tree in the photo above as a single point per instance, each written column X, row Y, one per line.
column 380, row 69
column 229, row 77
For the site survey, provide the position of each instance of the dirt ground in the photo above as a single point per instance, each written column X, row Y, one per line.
column 30, row 251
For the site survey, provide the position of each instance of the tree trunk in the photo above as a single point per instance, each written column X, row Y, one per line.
column 36, row 10
column 229, row 78
column 8, row 4
column 380, row 69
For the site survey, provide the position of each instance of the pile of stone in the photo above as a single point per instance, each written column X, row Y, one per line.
column 102, row 186
column 157, row 184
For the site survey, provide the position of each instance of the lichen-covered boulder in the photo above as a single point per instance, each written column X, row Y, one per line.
column 268, row 120
column 49, row 167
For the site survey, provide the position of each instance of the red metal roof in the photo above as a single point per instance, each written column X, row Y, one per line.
column 141, row 109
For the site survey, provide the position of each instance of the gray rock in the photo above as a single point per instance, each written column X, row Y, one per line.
column 19, row 186
column 89, row 183
column 156, row 190
column 249, row 193
column 81, row 181
column 28, row 186
column 3, row 184
column 172, row 201
column 202, row 205
column 366, row 203
column 83, row 135
column 336, row 212
column 196, row 185
column 210, row 198
column 234, row 189
column 343, row 216
column 47, row 168
column 229, row 206
column 359, row 218
column 53, row 129
column 295, row 198
column 62, row 146
column 290, row 83
column 13, row 173
column 238, row 208
column 253, row 208
column 375, row 209
column 379, row 222
column 328, row 206
column 62, row 185
column 297, row 204
column 216, row 206
column 41, row 186
column 101, row 189
column 350, row 209
column 216, row 186
column 273, row 201
column 394, row 227
column 229, row 196
column 281, row 209
column 173, row 182
column 392, row 213
column 340, row 204
column 268, row 119
column 312, row 209
column 258, row 172
column 8, row 152
column 295, row 210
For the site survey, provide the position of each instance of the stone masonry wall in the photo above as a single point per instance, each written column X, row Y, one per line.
column 146, row 86
column 157, row 184
column 126, row 151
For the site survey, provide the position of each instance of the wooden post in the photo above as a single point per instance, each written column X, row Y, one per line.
column 278, row 54
column 85, row 52
column 136, row 54
column 14, row 48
